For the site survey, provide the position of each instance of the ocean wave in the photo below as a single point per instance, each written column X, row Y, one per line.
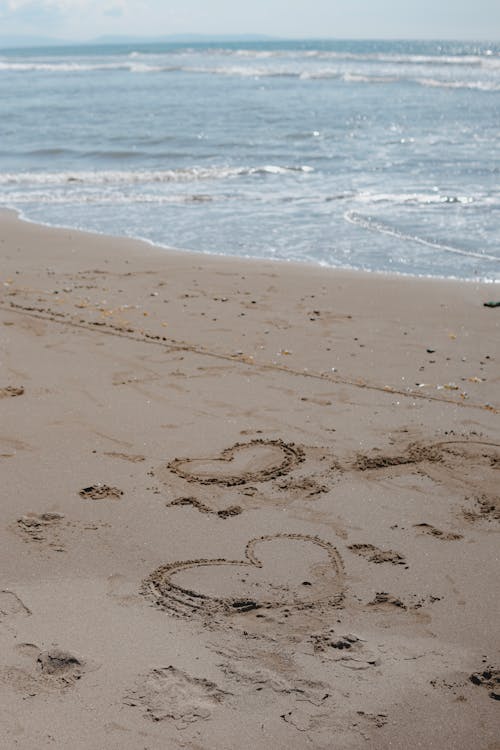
column 397, row 59
column 291, row 70
column 486, row 85
column 78, row 67
column 243, row 71
column 488, row 58
column 81, row 197
column 375, row 225
column 120, row 177
column 475, row 85
column 348, row 77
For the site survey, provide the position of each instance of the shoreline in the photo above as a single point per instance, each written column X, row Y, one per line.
column 300, row 264
column 245, row 504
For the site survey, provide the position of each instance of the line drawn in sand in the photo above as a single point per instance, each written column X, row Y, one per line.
column 281, row 570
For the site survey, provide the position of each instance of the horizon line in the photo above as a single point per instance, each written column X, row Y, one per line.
column 228, row 37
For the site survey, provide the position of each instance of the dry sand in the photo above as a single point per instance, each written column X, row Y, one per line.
column 244, row 504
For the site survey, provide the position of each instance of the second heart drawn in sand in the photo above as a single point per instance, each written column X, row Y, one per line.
column 256, row 461
column 282, row 570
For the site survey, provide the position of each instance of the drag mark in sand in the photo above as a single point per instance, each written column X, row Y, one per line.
column 179, row 346
column 256, row 461
column 293, row 570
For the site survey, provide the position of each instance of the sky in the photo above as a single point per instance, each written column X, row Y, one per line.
column 85, row 19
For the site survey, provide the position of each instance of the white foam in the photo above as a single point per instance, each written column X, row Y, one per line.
column 63, row 67
column 81, row 197
column 119, row 177
column 359, row 78
column 416, row 198
column 479, row 60
column 446, row 84
column 374, row 225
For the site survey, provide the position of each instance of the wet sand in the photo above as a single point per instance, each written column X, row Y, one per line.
column 244, row 504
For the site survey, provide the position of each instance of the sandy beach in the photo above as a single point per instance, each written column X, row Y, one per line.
column 245, row 504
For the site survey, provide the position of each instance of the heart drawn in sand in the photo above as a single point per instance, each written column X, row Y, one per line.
column 256, row 461
column 292, row 570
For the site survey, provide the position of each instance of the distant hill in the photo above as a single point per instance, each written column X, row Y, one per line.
column 18, row 42
column 11, row 42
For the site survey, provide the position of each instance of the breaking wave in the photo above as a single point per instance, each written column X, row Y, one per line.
column 121, row 177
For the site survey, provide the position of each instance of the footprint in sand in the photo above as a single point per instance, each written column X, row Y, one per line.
column 376, row 555
column 291, row 570
column 101, row 492
column 47, row 670
column 10, row 391
column 483, row 508
column 445, row 536
column 474, row 465
column 384, row 602
column 193, row 502
column 168, row 693
column 11, row 607
column 132, row 458
column 256, row 461
column 50, row 531
column 348, row 650
column 303, row 487
column 41, row 528
column 489, row 678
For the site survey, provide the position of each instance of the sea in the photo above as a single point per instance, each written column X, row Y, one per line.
column 374, row 155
